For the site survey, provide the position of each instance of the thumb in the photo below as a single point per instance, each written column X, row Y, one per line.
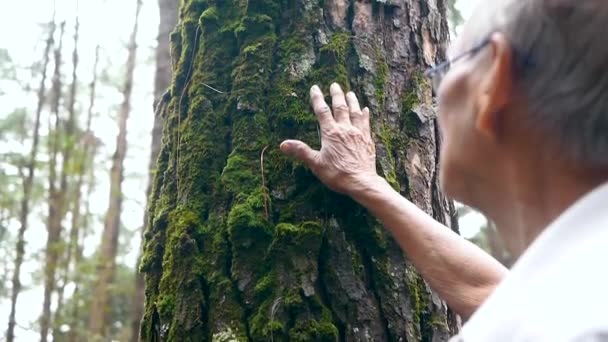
column 300, row 150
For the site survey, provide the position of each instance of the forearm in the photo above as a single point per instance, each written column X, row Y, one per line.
column 459, row 271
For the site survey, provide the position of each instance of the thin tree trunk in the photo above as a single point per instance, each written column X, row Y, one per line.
column 80, row 224
column 54, row 205
column 98, row 317
column 162, row 80
column 68, row 149
column 27, row 187
column 3, row 226
column 243, row 243
column 75, row 330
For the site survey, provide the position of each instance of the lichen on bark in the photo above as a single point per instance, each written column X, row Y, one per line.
column 245, row 244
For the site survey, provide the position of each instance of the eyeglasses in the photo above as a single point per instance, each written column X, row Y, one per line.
column 437, row 73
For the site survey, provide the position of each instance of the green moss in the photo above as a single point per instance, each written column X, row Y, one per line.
column 226, row 312
column 252, row 48
column 420, row 301
column 338, row 45
column 226, row 335
column 166, row 305
column 181, row 294
column 391, row 178
column 265, row 324
column 381, row 78
column 313, row 330
column 246, row 221
column 294, row 301
column 292, row 240
column 274, row 326
column 237, row 176
column 290, row 47
column 253, row 26
column 439, row 321
column 210, row 13
column 264, row 287
column 387, row 137
column 410, row 98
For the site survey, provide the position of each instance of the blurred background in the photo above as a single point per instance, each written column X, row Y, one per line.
column 65, row 87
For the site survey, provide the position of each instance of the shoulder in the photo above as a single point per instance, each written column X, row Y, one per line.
column 562, row 298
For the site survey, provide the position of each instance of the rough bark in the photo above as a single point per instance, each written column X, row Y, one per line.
column 162, row 80
column 70, row 140
column 107, row 254
column 55, row 206
column 27, row 187
column 243, row 243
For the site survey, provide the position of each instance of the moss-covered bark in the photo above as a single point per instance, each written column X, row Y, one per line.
column 243, row 243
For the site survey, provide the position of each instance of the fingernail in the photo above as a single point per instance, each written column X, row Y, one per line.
column 335, row 87
column 315, row 88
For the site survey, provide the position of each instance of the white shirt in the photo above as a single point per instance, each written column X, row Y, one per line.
column 558, row 289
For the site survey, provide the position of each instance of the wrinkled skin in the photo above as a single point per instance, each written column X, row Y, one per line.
column 348, row 154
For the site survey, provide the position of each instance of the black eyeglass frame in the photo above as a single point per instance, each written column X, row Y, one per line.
column 437, row 72
column 524, row 62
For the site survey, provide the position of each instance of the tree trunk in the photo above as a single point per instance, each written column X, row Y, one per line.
column 69, row 142
column 79, row 222
column 55, row 206
column 107, row 255
column 162, row 80
column 245, row 244
column 27, row 187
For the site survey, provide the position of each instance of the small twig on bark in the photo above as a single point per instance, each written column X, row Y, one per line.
column 179, row 107
column 264, row 182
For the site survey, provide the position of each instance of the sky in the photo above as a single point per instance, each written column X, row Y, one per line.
column 107, row 23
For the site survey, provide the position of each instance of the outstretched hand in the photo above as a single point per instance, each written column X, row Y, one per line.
column 347, row 159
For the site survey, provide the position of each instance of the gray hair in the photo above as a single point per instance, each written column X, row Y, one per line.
column 561, row 49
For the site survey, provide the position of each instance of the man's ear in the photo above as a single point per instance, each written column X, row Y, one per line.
column 496, row 86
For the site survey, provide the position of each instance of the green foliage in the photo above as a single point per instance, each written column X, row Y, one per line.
column 455, row 17
column 121, row 293
column 15, row 125
column 8, row 70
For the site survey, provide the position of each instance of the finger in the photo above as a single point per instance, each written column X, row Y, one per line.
column 356, row 115
column 300, row 151
column 338, row 104
column 320, row 107
column 365, row 122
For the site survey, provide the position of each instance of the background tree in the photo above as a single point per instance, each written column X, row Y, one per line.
column 98, row 316
column 56, row 190
column 244, row 244
column 28, row 182
column 162, row 80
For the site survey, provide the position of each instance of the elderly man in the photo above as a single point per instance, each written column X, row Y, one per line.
column 523, row 111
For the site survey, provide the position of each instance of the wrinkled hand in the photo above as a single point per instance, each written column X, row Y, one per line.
column 347, row 158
